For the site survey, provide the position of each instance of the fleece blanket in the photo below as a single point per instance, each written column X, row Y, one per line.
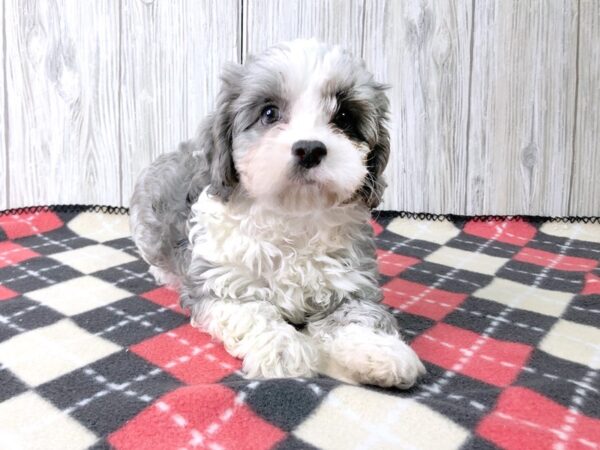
column 505, row 313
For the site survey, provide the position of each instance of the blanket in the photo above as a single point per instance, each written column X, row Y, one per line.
column 505, row 314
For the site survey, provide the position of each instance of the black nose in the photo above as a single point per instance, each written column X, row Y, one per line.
column 309, row 153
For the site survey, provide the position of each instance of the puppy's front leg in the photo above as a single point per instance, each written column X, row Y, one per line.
column 256, row 332
column 363, row 338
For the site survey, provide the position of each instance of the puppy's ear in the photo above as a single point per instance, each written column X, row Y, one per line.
column 219, row 135
column 377, row 159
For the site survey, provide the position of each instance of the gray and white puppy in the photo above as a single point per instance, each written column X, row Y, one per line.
column 262, row 220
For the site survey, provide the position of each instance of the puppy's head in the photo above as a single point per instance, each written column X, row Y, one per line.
column 302, row 125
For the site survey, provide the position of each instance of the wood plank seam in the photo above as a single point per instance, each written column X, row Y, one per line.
column 4, row 107
column 575, row 123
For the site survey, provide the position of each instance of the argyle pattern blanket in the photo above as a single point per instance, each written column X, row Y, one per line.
column 504, row 313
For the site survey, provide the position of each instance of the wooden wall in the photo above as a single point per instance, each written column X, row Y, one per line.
column 496, row 104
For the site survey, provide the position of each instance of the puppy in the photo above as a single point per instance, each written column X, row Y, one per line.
column 262, row 220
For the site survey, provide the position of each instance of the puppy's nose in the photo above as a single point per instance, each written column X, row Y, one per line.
column 309, row 153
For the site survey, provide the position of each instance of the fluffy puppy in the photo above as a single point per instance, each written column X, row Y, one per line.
column 262, row 220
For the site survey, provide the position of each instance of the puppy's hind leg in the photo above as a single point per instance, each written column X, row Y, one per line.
column 163, row 277
column 362, row 338
column 256, row 332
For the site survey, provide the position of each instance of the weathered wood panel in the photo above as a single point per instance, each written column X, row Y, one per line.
column 267, row 22
column 585, row 193
column 3, row 154
column 422, row 49
column 171, row 56
column 62, row 87
column 522, row 107
column 495, row 104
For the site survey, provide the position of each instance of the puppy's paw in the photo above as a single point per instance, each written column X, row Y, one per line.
column 281, row 353
column 164, row 278
column 375, row 358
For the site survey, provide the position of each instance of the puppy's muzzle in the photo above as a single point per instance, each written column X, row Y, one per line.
column 309, row 154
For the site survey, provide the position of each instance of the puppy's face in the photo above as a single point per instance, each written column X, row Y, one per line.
column 305, row 124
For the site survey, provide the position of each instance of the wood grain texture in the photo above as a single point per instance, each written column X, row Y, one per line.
column 3, row 151
column 422, row 49
column 585, row 193
column 267, row 22
column 522, row 107
column 62, row 87
column 171, row 57
column 495, row 104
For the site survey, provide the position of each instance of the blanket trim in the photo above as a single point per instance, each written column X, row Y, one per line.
column 382, row 214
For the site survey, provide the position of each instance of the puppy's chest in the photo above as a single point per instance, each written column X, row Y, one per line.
column 298, row 265
column 279, row 256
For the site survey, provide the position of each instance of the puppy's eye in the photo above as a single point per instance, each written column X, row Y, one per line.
column 270, row 114
column 342, row 119
column 345, row 120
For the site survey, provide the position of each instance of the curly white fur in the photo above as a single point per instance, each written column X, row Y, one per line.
column 288, row 261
